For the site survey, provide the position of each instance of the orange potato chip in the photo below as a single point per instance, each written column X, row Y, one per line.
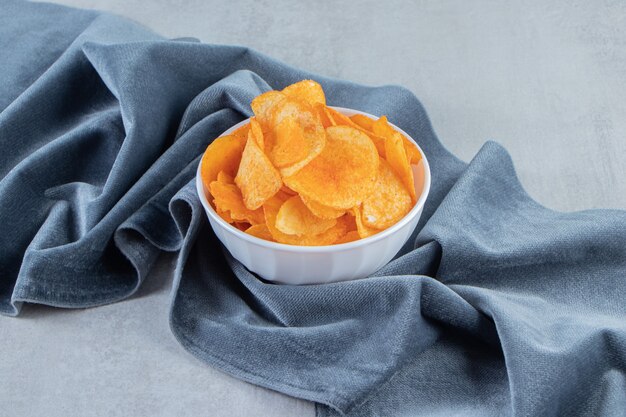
column 228, row 202
column 263, row 104
column 395, row 154
column 242, row 132
column 306, row 90
column 257, row 178
column 223, row 154
column 223, row 214
column 261, row 231
column 243, row 226
column 298, row 141
column 389, row 202
column 412, row 153
column 322, row 114
column 340, row 119
column 288, row 190
column 330, row 236
column 290, row 144
column 320, row 210
column 294, row 218
column 343, row 174
column 362, row 229
column 363, row 121
column 351, row 236
column 257, row 133
column 367, row 123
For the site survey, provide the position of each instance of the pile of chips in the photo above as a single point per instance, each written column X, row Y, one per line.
column 302, row 173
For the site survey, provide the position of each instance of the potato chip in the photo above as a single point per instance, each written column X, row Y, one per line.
column 291, row 145
column 363, row 121
column 320, row 210
column 263, row 104
column 299, row 136
column 306, row 90
column 388, row 203
column 294, row 218
column 261, row 231
column 243, row 226
column 363, row 230
column 367, row 123
column 351, row 236
column 288, row 190
column 223, row 154
column 224, row 214
column 257, row 133
column 242, row 131
column 412, row 153
column 228, row 202
column 343, row 174
column 340, row 119
column 323, row 115
column 257, row 178
column 330, row 236
column 395, row 153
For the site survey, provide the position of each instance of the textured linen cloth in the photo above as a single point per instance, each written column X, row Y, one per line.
column 496, row 306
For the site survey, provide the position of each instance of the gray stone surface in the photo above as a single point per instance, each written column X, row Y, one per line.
column 545, row 80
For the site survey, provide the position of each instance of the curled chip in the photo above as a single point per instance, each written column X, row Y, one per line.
column 294, row 218
column 395, row 153
column 306, row 90
column 257, row 133
column 388, row 203
column 320, row 210
column 261, row 231
column 263, row 104
column 363, row 230
column 223, row 154
column 351, row 236
column 329, row 237
column 343, row 174
column 302, row 173
column 229, row 204
column 257, row 178
column 299, row 135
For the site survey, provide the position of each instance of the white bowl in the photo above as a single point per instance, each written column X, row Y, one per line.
column 289, row 264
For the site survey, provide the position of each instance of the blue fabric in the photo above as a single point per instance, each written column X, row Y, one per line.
column 497, row 306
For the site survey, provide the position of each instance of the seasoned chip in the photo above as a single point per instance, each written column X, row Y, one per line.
column 228, row 202
column 263, row 104
column 294, row 218
column 340, row 119
column 257, row 178
column 322, row 211
column 412, row 153
column 388, row 203
column 395, row 153
column 242, row 132
column 261, row 231
column 223, row 154
column 365, row 122
column 299, row 136
column 330, row 236
column 363, row 230
column 257, row 133
column 323, row 115
column 243, row 226
column 351, row 236
column 306, row 90
column 291, row 145
column 343, row 174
